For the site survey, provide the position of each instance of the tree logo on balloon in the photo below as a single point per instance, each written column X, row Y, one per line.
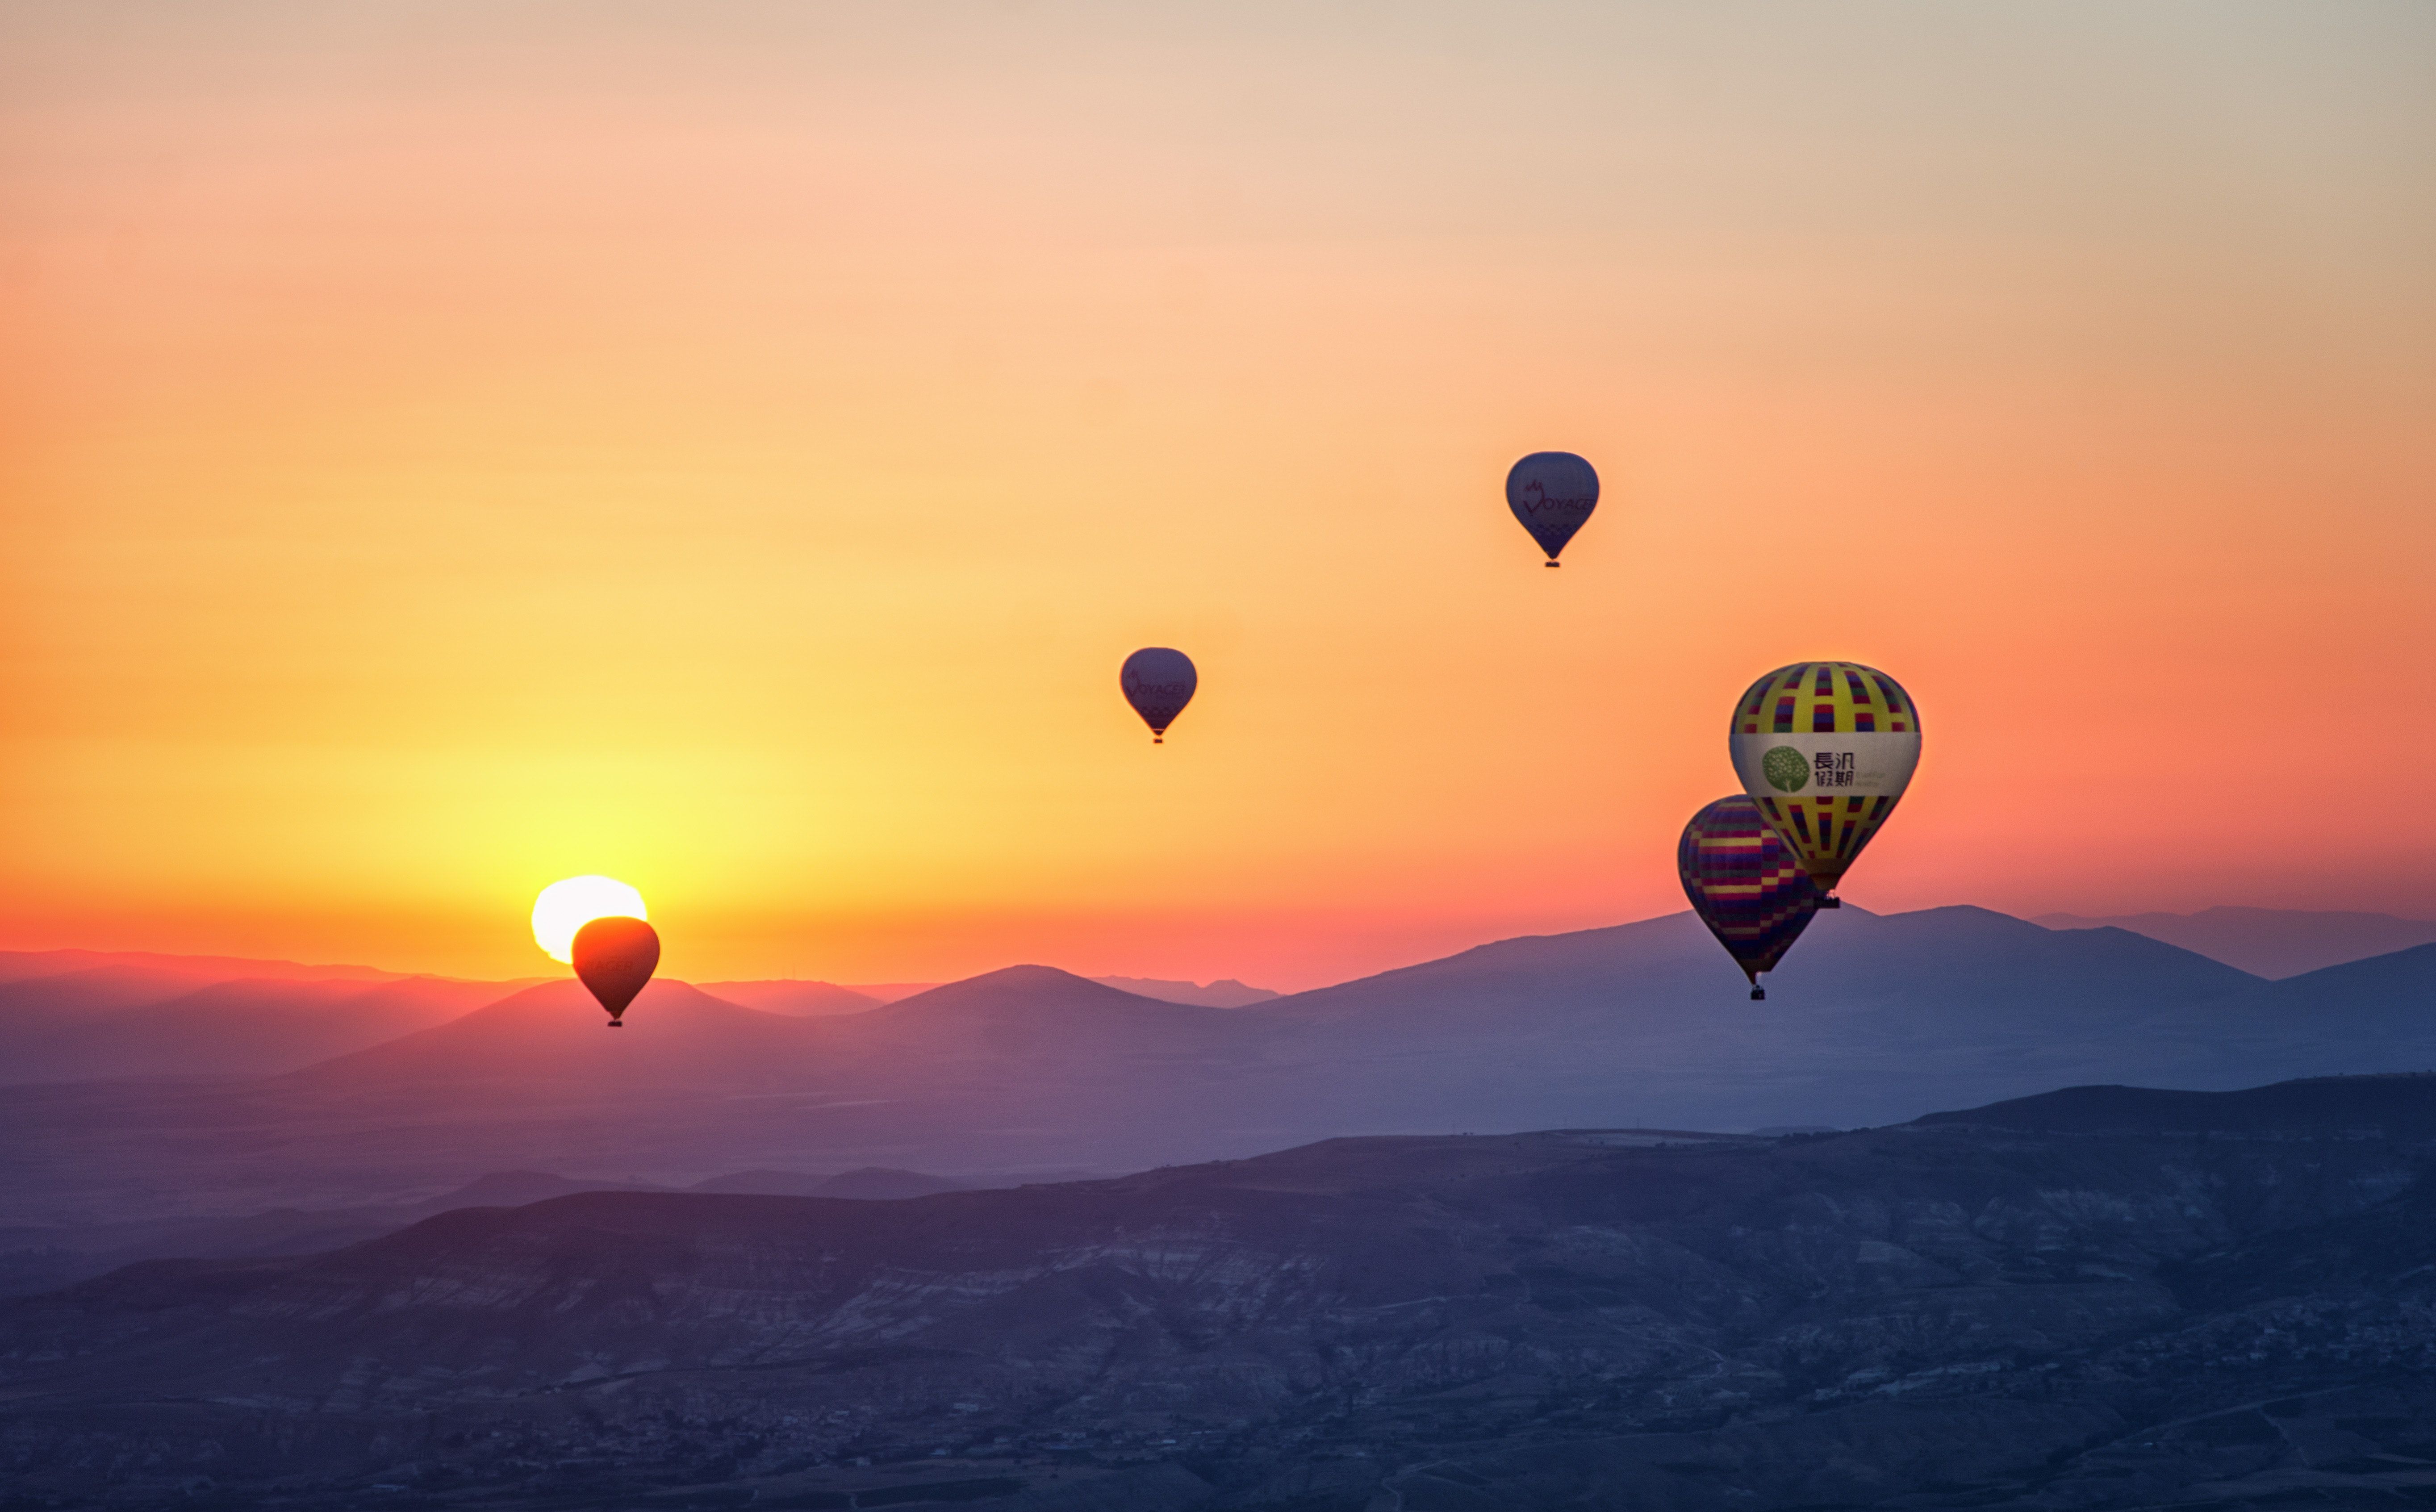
column 1786, row 768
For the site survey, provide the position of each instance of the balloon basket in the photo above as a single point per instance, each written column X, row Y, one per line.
column 1553, row 562
column 616, row 1024
column 1759, row 995
column 1159, row 739
column 1831, row 901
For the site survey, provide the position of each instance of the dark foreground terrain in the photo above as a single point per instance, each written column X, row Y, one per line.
column 2098, row 1299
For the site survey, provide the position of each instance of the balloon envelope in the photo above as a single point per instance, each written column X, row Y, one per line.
column 613, row 957
column 1747, row 887
column 1158, row 682
column 1552, row 493
column 1826, row 749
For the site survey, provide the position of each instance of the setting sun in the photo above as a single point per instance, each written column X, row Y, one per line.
column 567, row 906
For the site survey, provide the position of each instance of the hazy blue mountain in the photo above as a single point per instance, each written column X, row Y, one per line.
column 889, row 991
column 796, row 999
column 1958, row 957
column 556, row 1035
column 151, row 1020
column 1871, row 1020
column 869, row 1184
column 678, row 1037
column 515, row 1188
column 16, row 966
column 41, row 1000
column 2272, row 943
column 1017, row 1073
column 1040, row 1012
column 1225, row 993
column 2373, row 1014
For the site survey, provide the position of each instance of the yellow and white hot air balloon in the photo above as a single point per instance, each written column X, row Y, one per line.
column 1826, row 749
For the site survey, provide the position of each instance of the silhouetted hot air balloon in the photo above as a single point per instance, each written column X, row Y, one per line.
column 1158, row 682
column 1826, row 749
column 615, row 956
column 1552, row 493
column 1746, row 886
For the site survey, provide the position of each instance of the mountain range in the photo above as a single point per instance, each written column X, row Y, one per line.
column 677, row 1287
column 1225, row 993
column 2103, row 1298
column 807, row 999
column 1030, row 1072
column 74, row 1015
column 87, row 1015
column 2272, row 943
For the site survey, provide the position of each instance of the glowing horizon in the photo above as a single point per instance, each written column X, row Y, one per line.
column 452, row 449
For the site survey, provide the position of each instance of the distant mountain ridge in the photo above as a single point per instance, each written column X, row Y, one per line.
column 18, row 966
column 139, row 1020
column 1021, row 1073
column 1225, row 993
column 798, row 999
column 529, row 1038
column 869, row 1184
column 2272, row 943
column 76, row 1015
column 227, row 1017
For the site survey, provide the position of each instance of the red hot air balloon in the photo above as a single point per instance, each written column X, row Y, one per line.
column 615, row 956
column 1158, row 683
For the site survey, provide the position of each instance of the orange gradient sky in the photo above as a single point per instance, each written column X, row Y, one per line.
column 730, row 446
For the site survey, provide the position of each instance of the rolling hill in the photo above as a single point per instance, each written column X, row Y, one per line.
column 2074, row 1301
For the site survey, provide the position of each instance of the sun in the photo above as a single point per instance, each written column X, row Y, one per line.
column 568, row 906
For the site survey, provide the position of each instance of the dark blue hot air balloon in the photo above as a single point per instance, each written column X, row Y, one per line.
column 1552, row 493
column 1745, row 884
column 1158, row 682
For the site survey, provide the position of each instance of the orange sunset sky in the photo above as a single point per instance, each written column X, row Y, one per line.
column 731, row 446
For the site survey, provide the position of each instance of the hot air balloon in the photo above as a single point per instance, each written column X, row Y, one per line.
column 1552, row 493
column 615, row 956
column 1826, row 749
column 1746, row 886
column 1158, row 682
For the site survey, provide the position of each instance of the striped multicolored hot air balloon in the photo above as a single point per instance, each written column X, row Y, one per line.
column 1746, row 886
column 1826, row 749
